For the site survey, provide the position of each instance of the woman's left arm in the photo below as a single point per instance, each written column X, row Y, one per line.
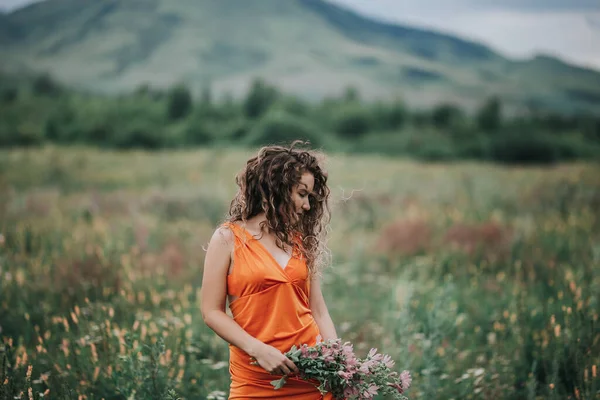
column 319, row 310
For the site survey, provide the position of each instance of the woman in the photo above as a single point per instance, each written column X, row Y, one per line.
column 265, row 261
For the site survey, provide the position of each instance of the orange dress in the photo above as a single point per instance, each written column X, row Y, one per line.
column 272, row 305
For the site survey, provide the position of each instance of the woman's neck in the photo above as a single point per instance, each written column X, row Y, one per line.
column 256, row 221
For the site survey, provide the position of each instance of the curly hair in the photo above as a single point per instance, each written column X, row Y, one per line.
column 265, row 185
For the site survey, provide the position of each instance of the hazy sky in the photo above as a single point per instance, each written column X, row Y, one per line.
column 569, row 29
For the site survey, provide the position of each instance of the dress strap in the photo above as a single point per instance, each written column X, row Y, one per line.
column 241, row 237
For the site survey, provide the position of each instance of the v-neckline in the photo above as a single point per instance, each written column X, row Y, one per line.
column 262, row 246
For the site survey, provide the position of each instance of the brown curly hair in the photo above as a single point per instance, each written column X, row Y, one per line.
column 265, row 185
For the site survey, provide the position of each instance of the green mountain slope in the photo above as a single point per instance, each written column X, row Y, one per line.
column 309, row 47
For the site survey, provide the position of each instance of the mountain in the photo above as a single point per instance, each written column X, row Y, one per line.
column 309, row 47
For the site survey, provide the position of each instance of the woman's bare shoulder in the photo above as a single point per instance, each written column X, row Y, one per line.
column 224, row 235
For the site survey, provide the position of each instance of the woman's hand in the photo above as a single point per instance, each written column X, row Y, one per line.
column 273, row 361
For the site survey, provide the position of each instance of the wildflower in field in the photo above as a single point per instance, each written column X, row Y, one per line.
column 336, row 369
column 406, row 379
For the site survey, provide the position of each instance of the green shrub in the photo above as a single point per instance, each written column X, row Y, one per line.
column 293, row 106
column 446, row 116
column 9, row 94
column 45, row 85
column 62, row 125
column 436, row 150
column 260, row 98
column 535, row 148
column 180, row 102
column 476, row 147
column 23, row 133
column 233, row 131
column 352, row 121
column 572, row 147
column 281, row 127
column 197, row 132
column 489, row 115
column 388, row 143
column 138, row 133
column 427, row 145
column 390, row 116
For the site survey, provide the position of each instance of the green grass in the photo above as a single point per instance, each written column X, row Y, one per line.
column 481, row 280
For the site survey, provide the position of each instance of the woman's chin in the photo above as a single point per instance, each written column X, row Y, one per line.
column 297, row 219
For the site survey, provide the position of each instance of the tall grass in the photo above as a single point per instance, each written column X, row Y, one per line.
column 481, row 280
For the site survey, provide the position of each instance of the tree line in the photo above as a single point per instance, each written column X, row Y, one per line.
column 40, row 110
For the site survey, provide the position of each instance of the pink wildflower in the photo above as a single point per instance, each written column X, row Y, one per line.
column 387, row 361
column 328, row 354
column 351, row 363
column 347, row 350
column 366, row 366
column 374, row 356
column 406, row 379
column 371, row 391
column 304, row 351
column 354, row 377
column 345, row 374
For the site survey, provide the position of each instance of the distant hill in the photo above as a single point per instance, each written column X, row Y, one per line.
column 309, row 47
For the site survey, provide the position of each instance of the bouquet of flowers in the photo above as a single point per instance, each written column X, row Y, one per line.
column 337, row 370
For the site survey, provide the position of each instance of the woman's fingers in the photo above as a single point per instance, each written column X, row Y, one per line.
column 285, row 370
column 275, row 362
column 290, row 364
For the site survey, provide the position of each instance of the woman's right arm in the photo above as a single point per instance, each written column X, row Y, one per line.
column 213, row 302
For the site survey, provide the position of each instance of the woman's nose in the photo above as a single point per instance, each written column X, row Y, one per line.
column 306, row 205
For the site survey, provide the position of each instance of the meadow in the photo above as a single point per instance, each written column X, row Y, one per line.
column 482, row 280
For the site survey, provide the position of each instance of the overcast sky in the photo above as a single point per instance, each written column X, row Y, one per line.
column 569, row 29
